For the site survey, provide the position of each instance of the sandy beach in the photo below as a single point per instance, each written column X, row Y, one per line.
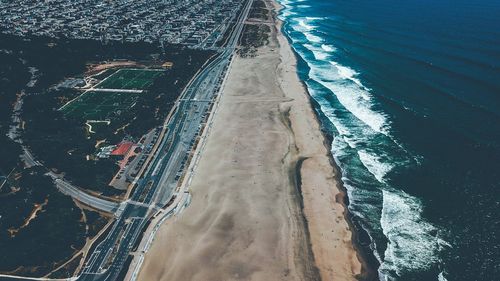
column 265, row 201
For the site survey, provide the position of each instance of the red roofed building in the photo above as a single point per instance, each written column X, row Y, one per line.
column 123, row 148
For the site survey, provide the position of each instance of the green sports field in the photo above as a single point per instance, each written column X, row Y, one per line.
column 100, row 105
column 131, row 79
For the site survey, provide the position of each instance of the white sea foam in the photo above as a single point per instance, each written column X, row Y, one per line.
column 328, row 48
column 319, row 54
column 348, row 73
column 288, row 5
column 286, row 13
column 374, row 165
column 343, row 131
column 353, row 98
column 305, row 25
column 412, row 243
column 313, row 38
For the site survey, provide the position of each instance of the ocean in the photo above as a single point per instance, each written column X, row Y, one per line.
column 409, row 92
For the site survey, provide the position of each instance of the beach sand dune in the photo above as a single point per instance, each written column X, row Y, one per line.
column 264, row 193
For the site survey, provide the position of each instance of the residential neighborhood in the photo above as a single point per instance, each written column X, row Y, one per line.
column 190, row 22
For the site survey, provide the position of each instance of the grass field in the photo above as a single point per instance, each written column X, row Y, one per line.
column 135, row 79
column 100, row 105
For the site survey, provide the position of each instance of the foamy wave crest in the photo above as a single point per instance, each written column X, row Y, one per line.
column 319, row 53
column 343, row 131
column 288, row 5
column 374, row 165
column 412, row 242
column 354, row 98
column 328, row 48
column 348, row 73
column 305, row 25
column 286, row 13
column 313, row 38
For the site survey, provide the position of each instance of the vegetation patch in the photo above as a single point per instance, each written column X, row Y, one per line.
column 254, row 36
column 40, row 227
column 259, row 11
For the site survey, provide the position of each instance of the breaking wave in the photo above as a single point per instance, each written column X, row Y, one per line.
column 413, row 242
column 328, row 48
column 374, row 165
column 353, row 97
column 313, row 38
column 365, row 150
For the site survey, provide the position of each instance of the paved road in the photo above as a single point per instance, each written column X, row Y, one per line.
column 28, row 158
column 85, row 198
column 71, row 190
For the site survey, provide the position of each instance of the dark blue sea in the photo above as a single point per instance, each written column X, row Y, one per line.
column 410, row 93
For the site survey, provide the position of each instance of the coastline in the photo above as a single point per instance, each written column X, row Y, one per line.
column 267, row 204
column 360, row 238
column 366, row 269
